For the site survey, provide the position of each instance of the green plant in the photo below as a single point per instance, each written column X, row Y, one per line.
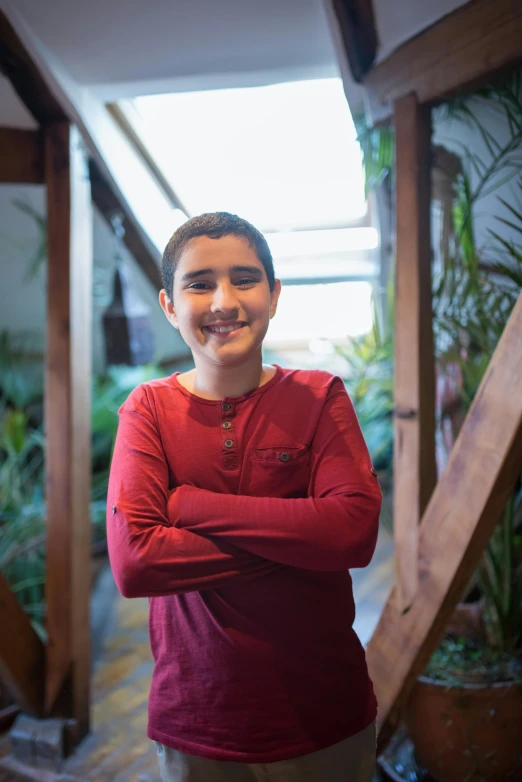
column 471, row 660
column 22, row 447
column 500, row 579
column 378, row 152
column 474, row 291
column 22, row 556
column 369, row 381
column 474, row 294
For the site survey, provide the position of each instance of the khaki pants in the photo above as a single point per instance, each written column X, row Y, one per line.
column 352, row 760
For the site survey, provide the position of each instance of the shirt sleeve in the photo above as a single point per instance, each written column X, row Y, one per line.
column 148, row 556
column 333, row 529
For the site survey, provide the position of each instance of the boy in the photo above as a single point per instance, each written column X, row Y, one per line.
column 240, row 495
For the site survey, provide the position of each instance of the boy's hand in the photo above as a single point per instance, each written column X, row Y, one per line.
column 173, row 507
column 174, row 503
column 175, row 500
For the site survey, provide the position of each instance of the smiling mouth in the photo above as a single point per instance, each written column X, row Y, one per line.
column 221, row 331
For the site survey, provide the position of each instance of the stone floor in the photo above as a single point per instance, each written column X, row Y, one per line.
column 117, row 750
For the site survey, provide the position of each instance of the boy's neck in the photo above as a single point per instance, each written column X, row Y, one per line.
column 218, row 382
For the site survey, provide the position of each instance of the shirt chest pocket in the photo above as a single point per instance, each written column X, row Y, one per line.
column 279, row 472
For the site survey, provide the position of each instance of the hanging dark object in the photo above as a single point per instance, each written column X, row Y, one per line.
column 126, row 323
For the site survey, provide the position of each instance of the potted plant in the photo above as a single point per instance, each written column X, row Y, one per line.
column 465, row 714
column 470, row 695
column 471, row 692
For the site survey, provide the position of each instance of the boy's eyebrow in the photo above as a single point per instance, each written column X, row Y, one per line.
column 200, row 272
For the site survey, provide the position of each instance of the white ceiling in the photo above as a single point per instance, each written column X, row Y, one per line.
column 164, row 45
column 126, row 47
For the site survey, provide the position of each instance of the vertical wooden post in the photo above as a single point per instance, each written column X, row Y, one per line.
column 22, row 654
column 67, row 421
column 414, row 432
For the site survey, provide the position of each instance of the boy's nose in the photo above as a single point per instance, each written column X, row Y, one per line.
column 225, row 299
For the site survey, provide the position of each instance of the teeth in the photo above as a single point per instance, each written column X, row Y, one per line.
column 224, row 329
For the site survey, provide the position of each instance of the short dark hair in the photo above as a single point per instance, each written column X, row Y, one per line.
column 215, row 225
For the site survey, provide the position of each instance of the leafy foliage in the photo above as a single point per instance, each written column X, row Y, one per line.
column 22, row 449
column 369, row 381
column 474, row 291
column 378, row 151
column 473, row 298
column 465, row 660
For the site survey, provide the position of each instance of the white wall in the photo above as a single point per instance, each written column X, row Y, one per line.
column 23, row 302
column 459, row 138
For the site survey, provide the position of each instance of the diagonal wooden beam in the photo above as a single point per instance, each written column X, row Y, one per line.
column 134, row 238
column 20, row 68
column 21, row 157
column 461, row 51
column 22, row 654
column 415, row 472
column 359, row 35
column 141, row 148
column 456, row 527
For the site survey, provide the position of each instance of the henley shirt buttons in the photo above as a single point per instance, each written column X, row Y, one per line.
column 114, row 508
column 227, row 425
column 229, row 443
column 226, row 406
column 285, row 457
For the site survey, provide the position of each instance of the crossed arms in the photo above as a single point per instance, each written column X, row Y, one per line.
column 169, row 542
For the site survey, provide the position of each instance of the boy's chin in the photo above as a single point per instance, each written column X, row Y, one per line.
column 229, row 355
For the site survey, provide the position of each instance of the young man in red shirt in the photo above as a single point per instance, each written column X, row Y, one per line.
column 240, row 496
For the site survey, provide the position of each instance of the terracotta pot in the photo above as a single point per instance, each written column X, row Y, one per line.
column 472, row 732
column 467, row 621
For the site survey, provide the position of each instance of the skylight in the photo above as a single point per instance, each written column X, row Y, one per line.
column 283, row 156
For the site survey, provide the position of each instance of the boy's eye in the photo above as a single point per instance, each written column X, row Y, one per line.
column 198, row 286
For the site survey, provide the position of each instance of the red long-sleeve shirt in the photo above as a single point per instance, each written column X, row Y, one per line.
column 240, row 518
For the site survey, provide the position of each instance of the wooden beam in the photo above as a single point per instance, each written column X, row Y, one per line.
column 67, row 417
column 22, row 654
column 18, row 66
column 461, row 51
column 359, row 34
column 135, row 239
column 415, row 472
column 127, row 128
column 463, row 512
column 21, row 157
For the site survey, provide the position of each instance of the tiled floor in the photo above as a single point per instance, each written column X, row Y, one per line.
column 117, row 749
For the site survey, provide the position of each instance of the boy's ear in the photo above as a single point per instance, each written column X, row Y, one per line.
column 274, row 298
column 168, row 308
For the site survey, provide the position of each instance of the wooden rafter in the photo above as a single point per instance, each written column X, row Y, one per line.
column 141, row 148
column 415, row 473
column 459, row 52
column 67, row 417
column 135, row 239
column 22, row 654
column 18, row 65
column 459, row 520
column 357, row 27
column 21, row 157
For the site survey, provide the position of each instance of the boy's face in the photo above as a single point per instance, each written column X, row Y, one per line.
column 220, row 283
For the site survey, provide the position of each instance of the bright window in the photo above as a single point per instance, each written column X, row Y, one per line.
column 286, row 158
column 332, row 312
column 283, row 156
